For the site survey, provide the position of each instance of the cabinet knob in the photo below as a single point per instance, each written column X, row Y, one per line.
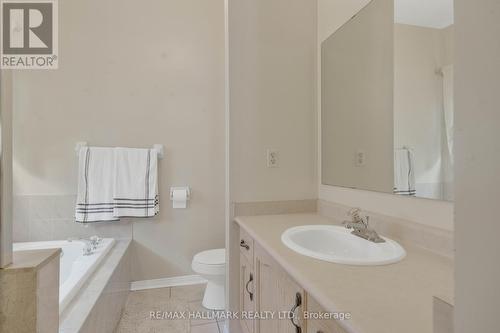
column 244, row 245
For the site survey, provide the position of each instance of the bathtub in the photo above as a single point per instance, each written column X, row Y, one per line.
column 75, row 268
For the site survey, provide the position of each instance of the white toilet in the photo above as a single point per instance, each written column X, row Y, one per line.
column 211, row 265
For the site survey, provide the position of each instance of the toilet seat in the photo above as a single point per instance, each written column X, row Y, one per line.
column 212, row 262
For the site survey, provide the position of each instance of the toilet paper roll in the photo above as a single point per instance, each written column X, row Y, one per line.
column 179, row 198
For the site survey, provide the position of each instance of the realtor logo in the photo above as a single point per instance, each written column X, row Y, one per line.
column 28, row 34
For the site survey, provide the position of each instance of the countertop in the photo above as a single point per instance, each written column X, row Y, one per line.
column 395, row 298
column 31, row 259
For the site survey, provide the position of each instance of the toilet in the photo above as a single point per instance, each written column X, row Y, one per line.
column 211, row 265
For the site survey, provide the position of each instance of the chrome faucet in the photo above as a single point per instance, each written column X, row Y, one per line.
column 87, row 248
column 94, row 241
column 361, row 227
column 91, row 243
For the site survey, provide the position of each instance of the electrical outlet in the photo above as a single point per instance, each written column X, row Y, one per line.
column 360, row 158
column 272, row 158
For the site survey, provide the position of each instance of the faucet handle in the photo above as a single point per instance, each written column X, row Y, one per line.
column 354, row 211
column 355, row 214
column 366, row 221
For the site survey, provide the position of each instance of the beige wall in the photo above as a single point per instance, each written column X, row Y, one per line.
column 331, row 15
column 448, row 36
column 477, row 102
column 5, row 168
column 134, row 74
column 272, row 99
column 357, row 100
column 272, row 81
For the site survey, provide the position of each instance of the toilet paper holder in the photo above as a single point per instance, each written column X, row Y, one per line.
column 180, row 188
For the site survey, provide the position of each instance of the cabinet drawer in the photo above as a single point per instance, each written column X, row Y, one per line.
column 320, row 325
column 246, row 245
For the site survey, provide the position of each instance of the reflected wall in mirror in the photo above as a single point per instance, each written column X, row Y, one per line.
column 423, row 98
column 387, row 100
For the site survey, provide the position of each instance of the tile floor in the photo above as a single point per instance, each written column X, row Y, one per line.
column 136, row 317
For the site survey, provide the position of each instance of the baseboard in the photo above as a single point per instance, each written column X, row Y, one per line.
column 175, row 281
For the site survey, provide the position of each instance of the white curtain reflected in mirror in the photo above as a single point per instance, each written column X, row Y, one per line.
column 387, row 100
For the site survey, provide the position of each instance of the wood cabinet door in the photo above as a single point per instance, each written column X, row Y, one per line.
column 320, row 325
column 276, row 294
column 247, row 294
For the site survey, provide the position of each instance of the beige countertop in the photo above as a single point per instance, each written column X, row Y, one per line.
column 31, row 259
column 395, row 298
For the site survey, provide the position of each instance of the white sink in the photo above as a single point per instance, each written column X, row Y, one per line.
column 337, row 244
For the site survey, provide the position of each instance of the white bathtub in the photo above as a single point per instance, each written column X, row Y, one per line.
column 75, row 267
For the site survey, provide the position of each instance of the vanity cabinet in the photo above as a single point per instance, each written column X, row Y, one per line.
column 247, row 293
column 266, row 289
column 276, row 295
column 320, row 325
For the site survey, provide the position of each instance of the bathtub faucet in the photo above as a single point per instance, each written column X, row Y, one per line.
column 95, row 241
column 87, row 248
column 91, row 244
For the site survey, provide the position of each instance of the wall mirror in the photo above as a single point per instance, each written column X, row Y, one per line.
column 387, row 100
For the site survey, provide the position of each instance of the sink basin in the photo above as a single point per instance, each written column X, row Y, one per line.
column 337, row 244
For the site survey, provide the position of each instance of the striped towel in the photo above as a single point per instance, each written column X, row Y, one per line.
column 135, row 183
column 94, row 201
column 115, row 183
column 404, row 173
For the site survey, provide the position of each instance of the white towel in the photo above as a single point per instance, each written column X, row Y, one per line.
column 404, row 175
column 95, row 185
column 135, row 183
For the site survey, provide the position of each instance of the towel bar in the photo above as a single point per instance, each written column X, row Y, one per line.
column 157, row 147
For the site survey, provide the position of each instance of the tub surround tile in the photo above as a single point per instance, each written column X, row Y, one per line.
column 40, row 229
column 436, row 240
column 48, row 296
column 29, row 292
column 20, row 227
column 51, row 217
column 44, row 206
column 98, row 306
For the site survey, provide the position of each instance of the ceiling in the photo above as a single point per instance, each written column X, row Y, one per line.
column 425, row 13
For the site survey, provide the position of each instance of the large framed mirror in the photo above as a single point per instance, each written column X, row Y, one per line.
column 387, row 100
